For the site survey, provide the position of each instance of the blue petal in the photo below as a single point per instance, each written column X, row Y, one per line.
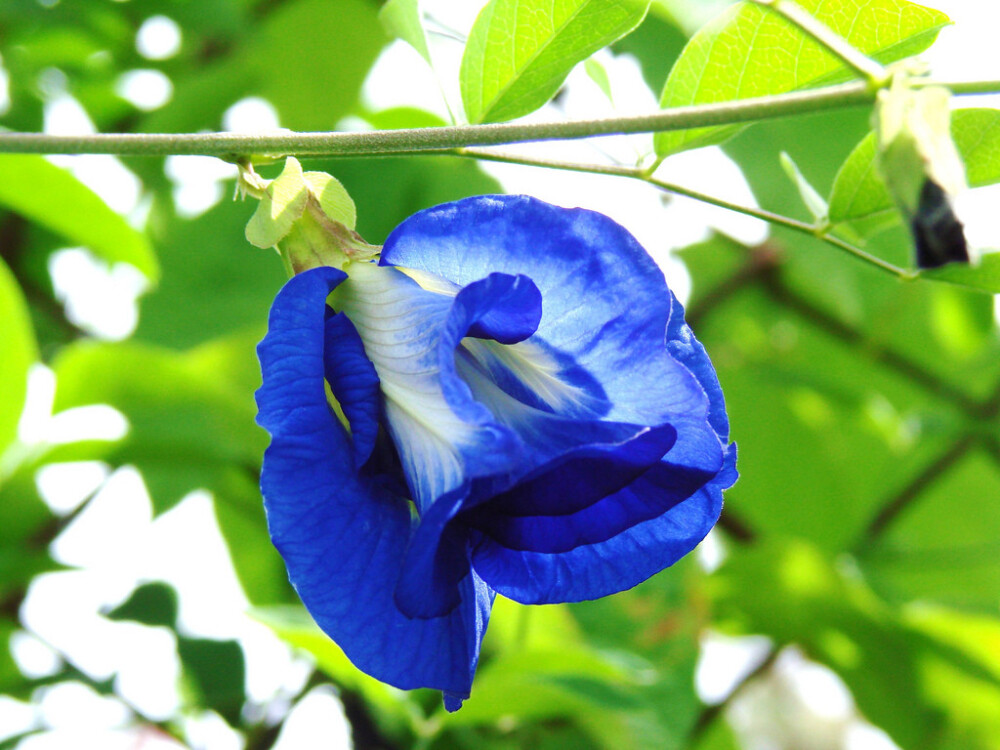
column 436, row 561
column 687, row 350
column 353, row 382
column 606, row 304
column 434, row 423
column 595, row 570
column 582, row 474
column 513, row 317
column 343, row 535
column 607, row 312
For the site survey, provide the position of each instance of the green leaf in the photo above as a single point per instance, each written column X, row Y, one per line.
column 749, row 51
column 758, row 151
column 811, row 199
column 812, row 412
column 546, row 684
column 11, row 679
column 240, row 515
column 977, row 136
column 599, row 75
column 985, row 276
column 217, row 670
column 401, row 19
column 189, row 423
column 943, row 547
column 17, row 351
column 860, row 198
column 153, row 604
column 793, row 594
column 311, row 57
column 308, row 58
column 973, row 702
column 55, row 199
column 214, row 283
column 394, row 709
column 520, row 51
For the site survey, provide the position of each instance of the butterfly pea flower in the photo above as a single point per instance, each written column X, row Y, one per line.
column 507, row 400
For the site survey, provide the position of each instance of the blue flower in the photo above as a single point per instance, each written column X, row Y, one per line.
column 509, row 401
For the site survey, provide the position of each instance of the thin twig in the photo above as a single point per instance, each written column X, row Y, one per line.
column 895, row 361
column 643, row 175
column 895, row 506
column 735, row 526
column 710, row 713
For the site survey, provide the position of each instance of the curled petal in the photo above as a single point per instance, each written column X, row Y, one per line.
column 434, row 422
column 353, row 382
column 594, row 570
column 606, row 304
column 687, row 350
column 342, row 534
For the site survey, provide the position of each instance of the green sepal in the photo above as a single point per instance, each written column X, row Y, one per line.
column 307, row 216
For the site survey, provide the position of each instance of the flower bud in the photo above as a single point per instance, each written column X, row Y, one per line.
column 308, row 217
column 922, row 168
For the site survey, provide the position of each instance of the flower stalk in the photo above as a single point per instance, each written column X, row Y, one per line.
column 819, row 231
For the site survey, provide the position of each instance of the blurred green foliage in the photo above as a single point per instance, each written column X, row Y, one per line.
column 864, row 530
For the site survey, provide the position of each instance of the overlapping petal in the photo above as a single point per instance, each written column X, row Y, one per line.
column 342, row 534
column 608, row 313
column 605, row 302
column 561, row 432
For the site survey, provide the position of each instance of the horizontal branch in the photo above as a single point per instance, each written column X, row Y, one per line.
column 236, row 146
column 415, row 140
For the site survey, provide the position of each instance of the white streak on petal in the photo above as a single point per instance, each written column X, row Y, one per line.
column 534, row 368
column 400, row 326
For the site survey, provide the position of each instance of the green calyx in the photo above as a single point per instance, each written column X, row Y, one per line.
column 308, row 217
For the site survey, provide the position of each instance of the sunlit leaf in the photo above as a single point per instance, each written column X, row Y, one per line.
column 401, row 18
column 187, row 426
column 793, row 594
column 859, row 197
column 973, row 701
column 943, row 547
column 811, row 199
column 749, row 52
column 520, row 51
column 395, row 709
column 985, row 276
column 17, row 352
column 55, row 199
column 599, row 75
